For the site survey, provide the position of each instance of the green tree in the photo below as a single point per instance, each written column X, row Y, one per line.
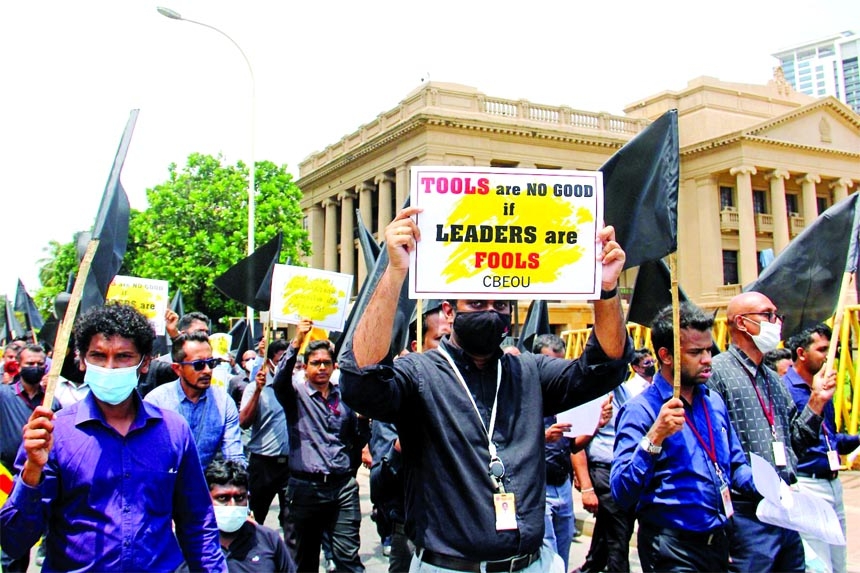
column 194, row 229
column 196, row 226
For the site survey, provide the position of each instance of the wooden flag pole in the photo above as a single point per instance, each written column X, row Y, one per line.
column 419, row 331
column 267, row 331
column 837, row 321
column 676, row 325
column 61, row 343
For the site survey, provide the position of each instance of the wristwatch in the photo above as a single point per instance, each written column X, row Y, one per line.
column 650, row 447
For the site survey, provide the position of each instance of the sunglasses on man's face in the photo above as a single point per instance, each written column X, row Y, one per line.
column 199, row 365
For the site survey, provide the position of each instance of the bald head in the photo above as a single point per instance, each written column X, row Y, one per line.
column 748, row 314
column 745, row 303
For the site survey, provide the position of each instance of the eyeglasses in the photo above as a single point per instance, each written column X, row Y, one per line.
column 646, row 363
column 770, row 315
column 318, row 363
column 199, row 365
column 238, row 498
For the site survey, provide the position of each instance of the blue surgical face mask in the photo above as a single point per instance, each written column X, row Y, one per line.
column 230, row 517
column 111, row 385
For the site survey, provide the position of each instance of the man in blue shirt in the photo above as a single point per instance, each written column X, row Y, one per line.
column 676, row 459
column 114, row 481
column 212, row 415
column 818, row 466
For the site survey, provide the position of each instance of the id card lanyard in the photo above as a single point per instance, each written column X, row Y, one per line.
column 711, row 452
column 779, row 456
column 496, row 467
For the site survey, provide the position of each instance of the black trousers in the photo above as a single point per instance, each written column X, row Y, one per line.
column 267, row 478
column 663, row 549
column 613, row 527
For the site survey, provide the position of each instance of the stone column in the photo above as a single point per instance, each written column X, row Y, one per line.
column 401, row 184
column 347, row 232
column 385, row 183
column 365, row 206
column 777, row 179
column 840, row 189
column 330, row 261
column 316, row 234
column 710, row 238
column 810, row 203
column 748, row 266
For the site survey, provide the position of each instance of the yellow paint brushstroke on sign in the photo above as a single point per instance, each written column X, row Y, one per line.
column 315, row 298
column 546, row 213
column 137, row 296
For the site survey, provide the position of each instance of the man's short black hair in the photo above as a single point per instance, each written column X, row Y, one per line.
column 114, row 320
column 315, row 345
column 803, row 339
column 691, row 316
column 551, row 341
column 34, row 348
column 178, row 351
column 276, row 346
column 771, row 358
column 186, row 320
column 639, row 354
column 226, row 472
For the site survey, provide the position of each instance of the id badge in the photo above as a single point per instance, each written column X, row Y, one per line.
column 726, row 494
column 779, row 454
column 506, row 511
column 833, row 458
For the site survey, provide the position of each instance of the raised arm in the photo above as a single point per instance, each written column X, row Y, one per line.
column 609, row 325
column 369, row 345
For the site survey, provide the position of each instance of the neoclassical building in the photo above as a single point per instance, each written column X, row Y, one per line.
column 758, row 162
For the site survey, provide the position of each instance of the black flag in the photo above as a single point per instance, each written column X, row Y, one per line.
column 651, row 293
column 13, row 327
column 111, row 228
column 640, row 187
column 537, row 323
column 804, row 279
column 177, row 304
column 24, row 304
column 369, row 246
column 250, row 280
column 405, row 306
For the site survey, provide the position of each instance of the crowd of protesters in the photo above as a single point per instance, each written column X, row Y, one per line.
column 141, row 465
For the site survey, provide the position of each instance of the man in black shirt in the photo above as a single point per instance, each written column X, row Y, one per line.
column 474, row 503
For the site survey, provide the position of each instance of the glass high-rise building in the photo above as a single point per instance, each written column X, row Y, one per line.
column 825, row 67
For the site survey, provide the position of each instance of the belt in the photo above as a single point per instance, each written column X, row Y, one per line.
column 601, row 465
column 697, row 537
column 320, row 477
column 828, row 475
column 277, row 459
column 515, row 563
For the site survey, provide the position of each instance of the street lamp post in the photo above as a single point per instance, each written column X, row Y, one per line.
column 174, row 15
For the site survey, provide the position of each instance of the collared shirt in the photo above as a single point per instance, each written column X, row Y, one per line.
column 796, row 429
column 679, row 487
column 449, row 495
column 67, row 392
column 599, row 449
column 15, row 409
column 112, row 501
column 637, row 384
column 386, row 475
column 269, row 435
column 214, row 419
column 814, row 459
column 557, row 456
column 258, row 549
column 324, row 432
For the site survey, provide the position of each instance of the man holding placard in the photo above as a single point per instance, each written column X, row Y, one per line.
column 470, row 418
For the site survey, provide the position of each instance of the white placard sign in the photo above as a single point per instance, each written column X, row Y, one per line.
column 491, row 233
column 299, row 292
column 149, row 296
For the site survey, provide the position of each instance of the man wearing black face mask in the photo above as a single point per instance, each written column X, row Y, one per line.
column 644, row 369
column 470, row 418
column 17, row 402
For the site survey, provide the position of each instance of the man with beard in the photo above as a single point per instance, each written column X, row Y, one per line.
column 211, row 414
column 768, row 424
column 470, row 418
column 677, row 459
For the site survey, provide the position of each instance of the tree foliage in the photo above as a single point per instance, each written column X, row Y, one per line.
column 195, row 228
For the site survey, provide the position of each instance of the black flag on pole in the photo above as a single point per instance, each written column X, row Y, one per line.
column 177, row 304
column 369, row 246
column 24, row 303
column 250, row 280
column 111, row 228
column 537, row 323
column 640, row 187
column 803, row 280
column 651, row 292
column 13, row 327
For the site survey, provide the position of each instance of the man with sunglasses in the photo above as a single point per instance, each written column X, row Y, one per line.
column 644, row 368
column 211, row 413
column 115, row 481
column 768, row 424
